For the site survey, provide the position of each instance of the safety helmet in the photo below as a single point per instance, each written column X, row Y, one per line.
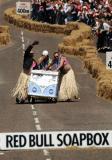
column 45, row 53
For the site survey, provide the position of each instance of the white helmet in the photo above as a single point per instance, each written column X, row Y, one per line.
column 45, row 53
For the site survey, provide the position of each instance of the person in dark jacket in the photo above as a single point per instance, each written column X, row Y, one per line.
column 29, row 60
column 20, row 90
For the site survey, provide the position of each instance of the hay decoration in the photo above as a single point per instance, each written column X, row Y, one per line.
column 4, row 35
column 21, row 21
column 20, row 89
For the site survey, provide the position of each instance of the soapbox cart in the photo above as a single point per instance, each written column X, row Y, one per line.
column 42, row 85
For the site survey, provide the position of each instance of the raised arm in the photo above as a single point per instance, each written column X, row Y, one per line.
column 29, row 48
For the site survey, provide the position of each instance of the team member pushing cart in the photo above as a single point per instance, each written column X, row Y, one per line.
column 36, row 81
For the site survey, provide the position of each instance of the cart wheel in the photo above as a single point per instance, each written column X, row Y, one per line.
column 33, row 100
column 29, row 99
column 54, row 100
column 19, row 101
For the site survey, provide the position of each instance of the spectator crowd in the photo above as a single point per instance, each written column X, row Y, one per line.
column 95, row 13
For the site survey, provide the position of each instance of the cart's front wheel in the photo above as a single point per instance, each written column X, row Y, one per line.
column 54, row 100
column 29, row 99
column 19, row 101
column 33, row 100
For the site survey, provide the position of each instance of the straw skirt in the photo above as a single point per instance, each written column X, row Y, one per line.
column 68, row 87
column 20, row 89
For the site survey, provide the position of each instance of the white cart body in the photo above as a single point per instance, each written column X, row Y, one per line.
column 43, row 84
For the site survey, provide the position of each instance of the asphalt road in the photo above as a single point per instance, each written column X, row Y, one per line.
column 90, row 113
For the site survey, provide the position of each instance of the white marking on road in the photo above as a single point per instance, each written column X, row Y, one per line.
column 22, row 38
column 38, row 127
column 34, row 113
column 23, row 46
column 36, row 120
column 46, row 152
column 1, row 153
column 32, row 106
column 23, row 42
column 21, row 33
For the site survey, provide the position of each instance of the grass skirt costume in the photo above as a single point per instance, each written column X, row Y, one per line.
column 68, row 88
column 20, row 89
